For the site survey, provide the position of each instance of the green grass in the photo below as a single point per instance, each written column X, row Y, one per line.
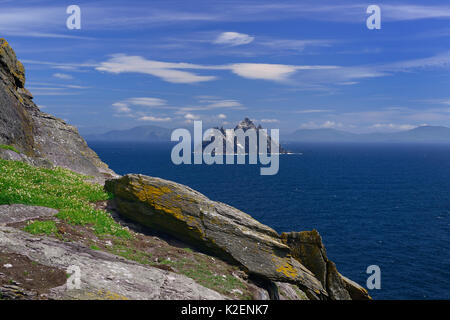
column 42, row 227
column 131, row 254
column 60, row 189
column 5, row 147
column 202, row 274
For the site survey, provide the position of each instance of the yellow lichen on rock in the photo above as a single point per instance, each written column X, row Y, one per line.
column 151, row 193
column 283, row 266
column 288, row 270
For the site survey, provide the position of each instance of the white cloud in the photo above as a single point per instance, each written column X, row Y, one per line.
column 124, row 108
column 233, row 39
column 171, row 72
column 154, row 119
column 269, row 120
column 164, row 70
column 313, row 111
column 414, row 12
column 224, row 104
column 294, row 44
column 210, row 104
column 325, row 125
column 392, row 126
column 190, row 116
column 121, row 107
column 441, row 60
column 62, row 76
column 222, row 116
column 263, row 71
column 147, row 102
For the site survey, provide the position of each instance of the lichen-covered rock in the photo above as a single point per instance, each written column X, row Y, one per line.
column 41, row 137
column 213, row 226
column 355, row 291
column 308, row 249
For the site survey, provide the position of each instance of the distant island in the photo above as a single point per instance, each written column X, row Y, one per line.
column 237, row 147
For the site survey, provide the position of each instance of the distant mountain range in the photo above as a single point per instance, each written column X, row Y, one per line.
column 423, row 134
column 146, row 133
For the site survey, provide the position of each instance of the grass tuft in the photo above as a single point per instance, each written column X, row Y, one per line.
column 42, row 227
column 60, row 189
column 5, row 147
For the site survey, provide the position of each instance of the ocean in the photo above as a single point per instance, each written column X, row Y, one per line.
column 373, row 204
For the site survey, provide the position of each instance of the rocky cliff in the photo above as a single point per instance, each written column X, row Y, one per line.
column 226, row 232
column 42, row 139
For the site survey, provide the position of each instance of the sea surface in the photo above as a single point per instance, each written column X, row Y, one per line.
column 377, row 204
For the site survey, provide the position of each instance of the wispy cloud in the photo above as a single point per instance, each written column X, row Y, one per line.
column 313, row 111
column 325, row 125
column 128, row 106
column 174, row 72
column 166, row 71
column 48, row 20
column 154, row 119
column 269, row 120
column 393, row 126
column 441, row 60
column 205, row 105
column 147, row 102
column 62, row 76
column 403, row 12
column 233, row 39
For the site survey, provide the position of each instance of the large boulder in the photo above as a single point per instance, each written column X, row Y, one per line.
column 212, row 226
column 41, row 137
column 308, row 249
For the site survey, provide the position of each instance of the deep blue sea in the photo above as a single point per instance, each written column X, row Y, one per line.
column 378, row 204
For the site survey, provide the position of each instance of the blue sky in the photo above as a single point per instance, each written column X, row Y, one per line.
column 285, row 64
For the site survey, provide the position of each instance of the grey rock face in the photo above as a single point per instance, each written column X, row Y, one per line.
column 39, row 136
column 308, row 249
column 20, row 212
column 103, row 275
column 213, row 226
column 287, row 291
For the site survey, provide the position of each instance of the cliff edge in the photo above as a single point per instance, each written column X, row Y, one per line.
column 41, row 139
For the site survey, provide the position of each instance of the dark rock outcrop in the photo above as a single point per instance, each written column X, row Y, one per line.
column 42, row 138
column 308, row 249
column 231, row 234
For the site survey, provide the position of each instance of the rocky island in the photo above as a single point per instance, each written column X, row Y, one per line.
column 132, row 236
column 235, row 145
